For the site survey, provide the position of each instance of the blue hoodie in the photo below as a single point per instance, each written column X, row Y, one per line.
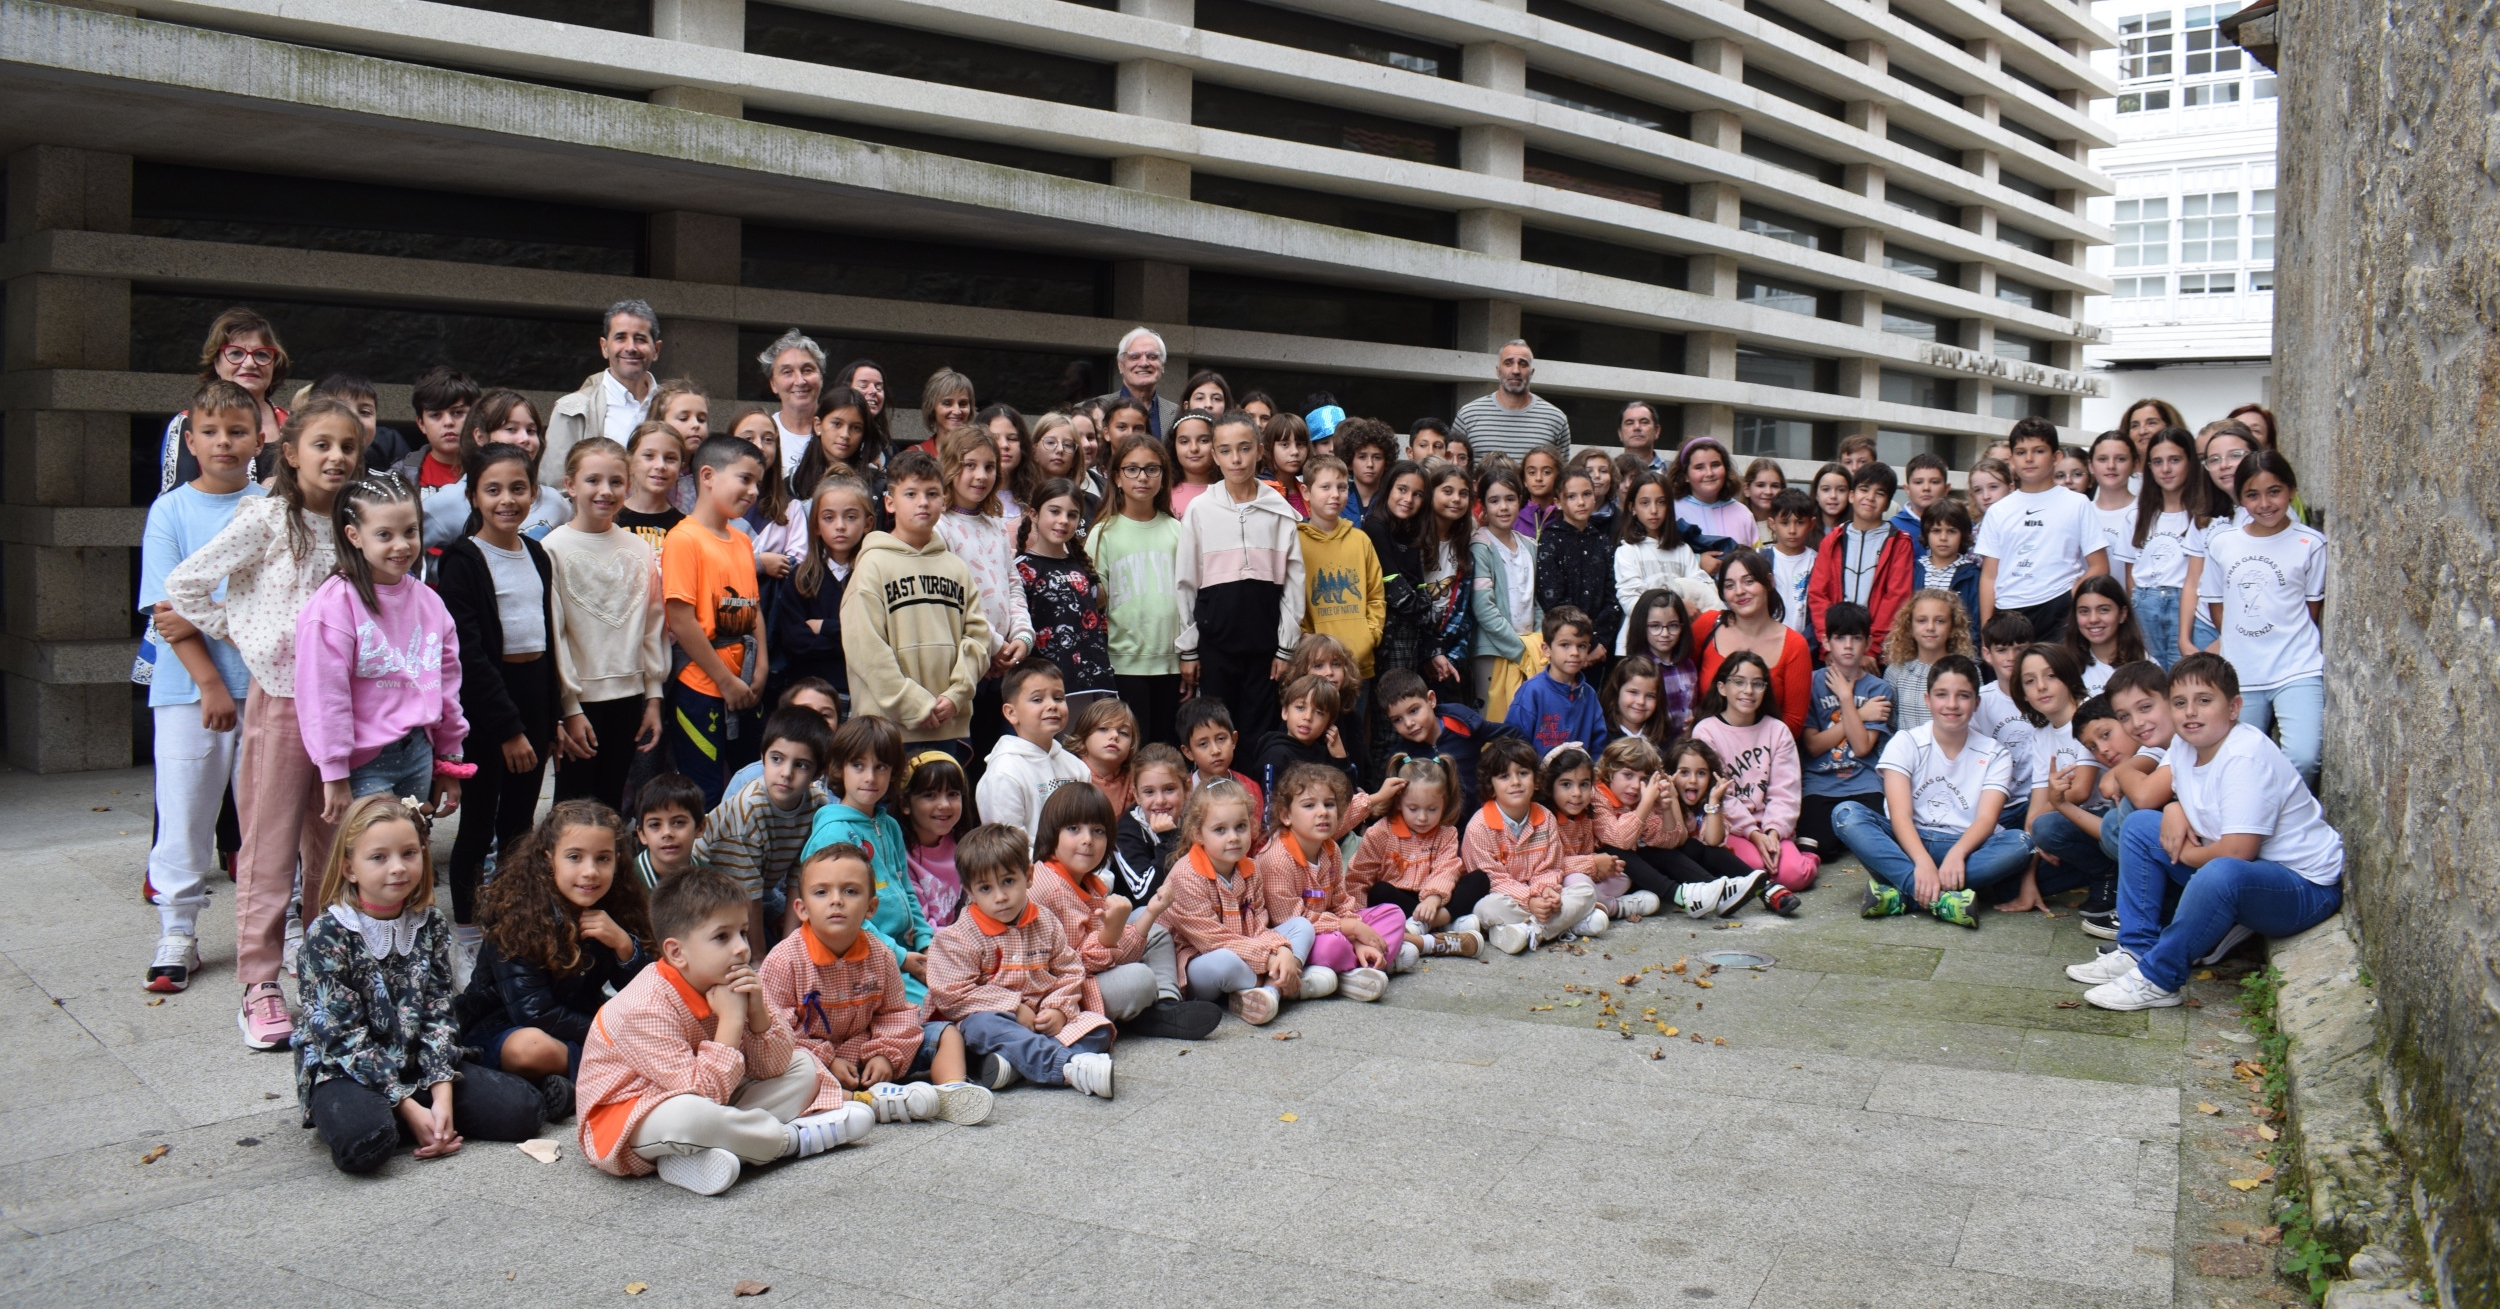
column 898, row 922
column 1549, row 713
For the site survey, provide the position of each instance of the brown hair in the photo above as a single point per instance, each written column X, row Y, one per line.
column 958, row 446
column 1120, row 451
column 529, row 920
column 992, row 849
column 684, row 901
column 489, row 413
column 287, row 483
column 865, row 736
column 240, row 321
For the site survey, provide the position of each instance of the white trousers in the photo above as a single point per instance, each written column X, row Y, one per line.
column 194, row 768
column 751, row 1126
column 1578, row 894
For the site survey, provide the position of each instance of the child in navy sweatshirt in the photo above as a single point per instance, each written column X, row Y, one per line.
column 1557, row 705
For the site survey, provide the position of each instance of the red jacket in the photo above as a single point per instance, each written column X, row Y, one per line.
column 1896, row 571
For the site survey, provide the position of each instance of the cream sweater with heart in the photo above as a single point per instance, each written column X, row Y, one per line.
column 612, row 635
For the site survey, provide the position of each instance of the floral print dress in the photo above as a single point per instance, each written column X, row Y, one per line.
column 1068, row 624
column 377, row 998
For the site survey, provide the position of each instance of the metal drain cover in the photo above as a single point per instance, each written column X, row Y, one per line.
column 1738, row 958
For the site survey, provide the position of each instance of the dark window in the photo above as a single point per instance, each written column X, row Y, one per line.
column 1573, row 341
column 1327, row 36
column 837, row 263
column 1794, row 24
column 1080, row 167
column 1917, row 389
column 1773, row 84
column 1788, row 297
column 209, row 204
column 1595, row 420
column 1260, row 304
column 2022, row 240
column 1607, row 104
column 1619, row 29
column 1795, row 372
column 1796, row 161
column 2022, row 293
column 2018, row 404
column 1566, row 173
column 2024, row 186
column 2024, row 348
column 1378, row 217
column 383, row 342
column 2028, row 133
column 1765, row 221
column 1911, row 323
column 1771, row 437
column 1395, row 401
column 632, row 16
column 1937, row 89
column 1926, row 145
column 1034, row 381
column 1894, row 446
column 1918, row 263
column 2028, row 80
column 1604, row 258
column 1929, row 28
column 855, row 43
column 1926, row 206
column 1231, row 109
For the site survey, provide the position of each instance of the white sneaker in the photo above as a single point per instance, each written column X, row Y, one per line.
column 1594, row 924
column 996, row 1073
column 2230, row 941
column 1511, row 938
column 963, row 1102
column 2103, row 968
column 1418, row 926
column 1363, row 984
column 1636, row 904
column 2130, row 992
column 1408, row 957
column 1465, row 923
column 1722, row 897
column 708, row 1173
column 840, row 1125
column 294, row 947
column 1090, row 1073
column 897, row 1103
column 1318, row 982
column 177, row 957
column 1256, row 1006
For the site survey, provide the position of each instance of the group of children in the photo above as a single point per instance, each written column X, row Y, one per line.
column 1001, row 765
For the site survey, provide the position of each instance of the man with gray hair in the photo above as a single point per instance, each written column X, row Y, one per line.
column 614, row 400
column 1140, row 365
column 1512, row 421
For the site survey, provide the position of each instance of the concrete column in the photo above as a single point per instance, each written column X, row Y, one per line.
column 1981, row 163
column 1720, row 55
column 1489, row 232
column 1485, row 326
column 1150, row 88
column 1861, row 380
column 1868, row 116
column 1716, row 202
column 1154, row 293
column 691, row 247
column 66, row 604
column 1495, row 67
column 1719, row 130
column 720, row 24
column 1864, row 245
column 1874, row 54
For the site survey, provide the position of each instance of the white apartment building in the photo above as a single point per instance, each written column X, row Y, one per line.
column 2191, row 315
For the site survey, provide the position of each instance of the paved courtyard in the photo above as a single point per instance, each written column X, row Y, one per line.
column 1901, row 1114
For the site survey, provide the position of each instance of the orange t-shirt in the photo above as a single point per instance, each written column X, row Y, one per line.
column 716, row 575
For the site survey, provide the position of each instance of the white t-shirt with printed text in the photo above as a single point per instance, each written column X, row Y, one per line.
column 2162, row 561
column 2264, row 585
column 2040, row 540
column 1944, row 793
column 1791, row 573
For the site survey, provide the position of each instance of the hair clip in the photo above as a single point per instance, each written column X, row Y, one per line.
column 1552, row 754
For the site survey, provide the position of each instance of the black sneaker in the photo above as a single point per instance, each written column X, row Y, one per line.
column 1178, row 1020
column 555, row 1097
column 995, row 1073
column 2102, row 925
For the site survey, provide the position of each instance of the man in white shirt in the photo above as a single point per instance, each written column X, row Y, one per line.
column 2244, row 838
column 613, row 401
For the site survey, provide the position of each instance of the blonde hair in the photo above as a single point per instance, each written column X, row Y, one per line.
column 643, row 431
column 1629, row 754
column 1901, row 647
column 1222, row 790
column 363, row 816
column 1436, row 773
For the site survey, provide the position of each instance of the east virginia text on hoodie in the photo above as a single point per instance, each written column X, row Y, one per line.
column 912, row 631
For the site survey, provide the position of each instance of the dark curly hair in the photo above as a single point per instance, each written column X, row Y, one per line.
column 528, row 919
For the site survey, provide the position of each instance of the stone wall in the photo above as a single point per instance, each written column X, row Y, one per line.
column 2389, row 367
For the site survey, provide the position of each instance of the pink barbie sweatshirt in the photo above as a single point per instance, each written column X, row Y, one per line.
column 1767, row 782
column 365, row 679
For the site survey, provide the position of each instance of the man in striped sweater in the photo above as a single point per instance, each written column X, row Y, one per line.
column 1513, row 420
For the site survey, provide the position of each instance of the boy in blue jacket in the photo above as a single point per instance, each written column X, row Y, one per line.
column 1945, row 561
column 1557, row 705
column 1429, row 729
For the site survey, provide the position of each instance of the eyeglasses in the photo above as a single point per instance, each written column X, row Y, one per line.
column 235, row 354
column 1746, row 684
column 1146, row 471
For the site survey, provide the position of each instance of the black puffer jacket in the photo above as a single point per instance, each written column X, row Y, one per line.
column 1576, row 566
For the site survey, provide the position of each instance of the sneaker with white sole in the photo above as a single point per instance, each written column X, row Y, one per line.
column 903, row 1103
column 840, row 1125
column 177, row 957
column 706, row 1172
column 1466, row 923
column 1723, row 896
column 1318, row 982
column 1464, row 944
column 294, row 948
column 1256, row 1006
column 1636, row 904
column 1417, row 926
column 996, row 1073
column 2102, row 968
column 2230, row 941
column 1363, row 984
column 1511, row 938
column 1408, row 957
column 2100, row 926
column 963, row 1102
column 1594, row 923
column 263, row 1018
column 1090, row 1073
column 2130, row 992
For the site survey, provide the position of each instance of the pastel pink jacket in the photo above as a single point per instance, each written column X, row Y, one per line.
column 365, row 679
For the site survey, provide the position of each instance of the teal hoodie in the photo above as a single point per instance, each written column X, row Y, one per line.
column 898, row 922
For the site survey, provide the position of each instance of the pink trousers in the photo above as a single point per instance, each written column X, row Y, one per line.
column 1797, row 868
column 1335, row 951
column 278, row 795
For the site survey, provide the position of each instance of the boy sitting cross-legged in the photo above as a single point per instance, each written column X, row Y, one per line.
column 842, row 994
column 1006, row 976
column 688, row 1071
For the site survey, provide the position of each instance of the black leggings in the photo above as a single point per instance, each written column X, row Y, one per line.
column 602, row 776
column 1660, row 872
column 498, row 805
column 1156, row 700
column 363, row 1130
column 1814, row 821
column 1243, row 683
column 1471, row 887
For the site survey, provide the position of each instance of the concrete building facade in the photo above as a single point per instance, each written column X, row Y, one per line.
column 2190, row 317
column 1784, row 223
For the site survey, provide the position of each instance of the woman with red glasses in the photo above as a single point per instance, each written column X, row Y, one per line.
column 242, row 348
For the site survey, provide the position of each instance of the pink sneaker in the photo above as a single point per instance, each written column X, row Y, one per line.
column 263, row 1019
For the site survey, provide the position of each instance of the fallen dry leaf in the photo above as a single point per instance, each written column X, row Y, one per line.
column 155, row 1002
column 2247, row 1068
column 1718, row 1040
column 2070, row 1004
column 636, row 1288
column 1540, row 1008
column 1288, row 1118
column 1650, row 1012
column 1286, row 1036
column 1678, row 966
column 2202, row 975
column 2193, row 1003
column 1702, row 982
column 2265, row 1174
column 1696, row 1038
column 1628, row 979
column 2244, row 1183
column 1657, row 1053
column 153, row 1155
column 268, row 1095
column 1571, row 1004
column 1670, row 1031
column 2208, row 1107
column 2265, row 1133
column 540, row 1148
column 749, row 1288
column 102, row 809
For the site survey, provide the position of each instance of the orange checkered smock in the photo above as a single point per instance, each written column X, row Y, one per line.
column 1521, row 865
column 842, row 1006
column 1211, row 913
column 1392, row 853
column 653, row 1040
column 1616, row 827
column 1296, row 887
column 1077, row 905
column 979, row 965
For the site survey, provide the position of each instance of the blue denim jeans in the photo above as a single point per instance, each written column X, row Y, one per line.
column 2296, row 713
column 1042, row 1060
column 405, row 768
column 2265, row 897
column 1870, row 837
column 2114, row 828
column 2157, row 616
column 2204, row 633
column 2079, row 858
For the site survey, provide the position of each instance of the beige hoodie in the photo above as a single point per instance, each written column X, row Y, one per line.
column 912, row 631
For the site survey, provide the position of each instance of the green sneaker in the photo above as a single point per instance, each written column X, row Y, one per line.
column 1882, row 900
column 1955, row 907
